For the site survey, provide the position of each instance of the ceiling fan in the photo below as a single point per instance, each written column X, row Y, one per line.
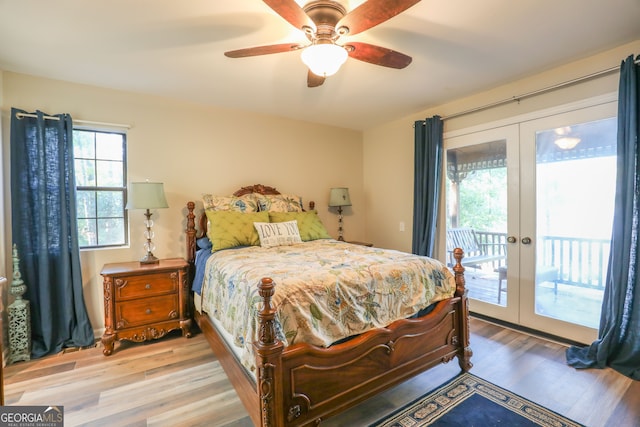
column 324, row 22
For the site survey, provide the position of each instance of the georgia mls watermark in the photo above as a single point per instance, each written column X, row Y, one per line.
column 31, row 416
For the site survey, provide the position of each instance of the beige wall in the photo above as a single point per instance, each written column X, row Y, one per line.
column 388, row 148
column 195, row 149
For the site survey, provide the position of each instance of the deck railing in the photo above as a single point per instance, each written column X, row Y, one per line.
column 493, row 243
column 580, row 262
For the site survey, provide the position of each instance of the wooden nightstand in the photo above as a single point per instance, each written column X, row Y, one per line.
column 353, row 242
column 144, row 301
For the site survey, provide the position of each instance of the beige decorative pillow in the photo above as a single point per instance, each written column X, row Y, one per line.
column 279, row 203
column 278, row 234
column 245, row 203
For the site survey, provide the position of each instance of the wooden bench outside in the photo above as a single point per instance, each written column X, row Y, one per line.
column 475, row 253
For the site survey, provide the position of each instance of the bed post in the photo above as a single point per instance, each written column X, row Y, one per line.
column 191, row 238
column 465, row 353
column 458, row 272
column 269, row 352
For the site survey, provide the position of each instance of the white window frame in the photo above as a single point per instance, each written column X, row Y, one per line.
column 106, row 188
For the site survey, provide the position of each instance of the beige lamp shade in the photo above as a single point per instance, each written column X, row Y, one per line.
column 339, row 197
column 146, row 195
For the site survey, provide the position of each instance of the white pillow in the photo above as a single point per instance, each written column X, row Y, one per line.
column 278, row 233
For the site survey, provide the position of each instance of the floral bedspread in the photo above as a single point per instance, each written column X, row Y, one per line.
column 325, row 291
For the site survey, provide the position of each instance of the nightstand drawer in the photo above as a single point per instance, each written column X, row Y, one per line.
column 146, row 285
column 145, row 311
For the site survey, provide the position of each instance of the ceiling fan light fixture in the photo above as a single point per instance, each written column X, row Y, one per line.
column 565, row 140
column 324, row 59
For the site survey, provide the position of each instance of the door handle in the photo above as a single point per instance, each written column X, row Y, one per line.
column 526, row 240
column 512, row 239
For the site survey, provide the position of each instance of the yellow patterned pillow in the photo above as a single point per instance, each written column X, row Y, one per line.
column 228, row 229
column 309, row 224
column 246, row 203
column 279, row 203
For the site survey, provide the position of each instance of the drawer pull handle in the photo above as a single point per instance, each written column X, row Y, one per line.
column 147, row 286
column 148, row 311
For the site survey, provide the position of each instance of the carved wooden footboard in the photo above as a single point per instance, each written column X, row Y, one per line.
column 303, row 384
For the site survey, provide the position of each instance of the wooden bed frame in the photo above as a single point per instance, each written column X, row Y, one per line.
column 303, row 384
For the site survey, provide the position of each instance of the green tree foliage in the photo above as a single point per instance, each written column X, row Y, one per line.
column 483, row 200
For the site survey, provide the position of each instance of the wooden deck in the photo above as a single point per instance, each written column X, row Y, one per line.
column 571, row 303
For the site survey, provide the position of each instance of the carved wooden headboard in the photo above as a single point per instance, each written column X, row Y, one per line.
column 201, row 231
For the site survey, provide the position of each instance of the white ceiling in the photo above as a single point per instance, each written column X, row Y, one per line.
column 175, row 49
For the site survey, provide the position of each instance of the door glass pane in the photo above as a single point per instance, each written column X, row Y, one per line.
column 575, row 190
column 477, row 216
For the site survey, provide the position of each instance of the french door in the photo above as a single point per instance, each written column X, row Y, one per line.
column 531, row 203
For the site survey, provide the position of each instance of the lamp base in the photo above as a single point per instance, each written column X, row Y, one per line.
column 340, row 224
column 149, row 259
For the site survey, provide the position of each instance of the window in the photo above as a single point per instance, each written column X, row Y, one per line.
column 100, row 165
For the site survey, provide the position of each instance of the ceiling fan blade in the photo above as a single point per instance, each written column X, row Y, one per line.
column 293, row 14
column 314, row 80
column 371, row 13
column 263, row 50
column 377, row 55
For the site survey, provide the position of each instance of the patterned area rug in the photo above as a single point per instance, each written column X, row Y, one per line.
column 469, row 401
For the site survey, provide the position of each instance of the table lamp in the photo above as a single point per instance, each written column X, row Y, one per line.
column 339, row 197
column 147, row 195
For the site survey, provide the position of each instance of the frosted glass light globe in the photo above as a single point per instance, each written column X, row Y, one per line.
column 324, row 59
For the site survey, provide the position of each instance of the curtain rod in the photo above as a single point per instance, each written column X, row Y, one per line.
column 536, row 92
column 80, row 122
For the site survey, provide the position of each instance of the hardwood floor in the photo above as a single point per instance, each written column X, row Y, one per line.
column 178, row 382
column 170, row 382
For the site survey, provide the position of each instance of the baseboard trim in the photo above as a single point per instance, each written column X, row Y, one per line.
column 529, row 331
